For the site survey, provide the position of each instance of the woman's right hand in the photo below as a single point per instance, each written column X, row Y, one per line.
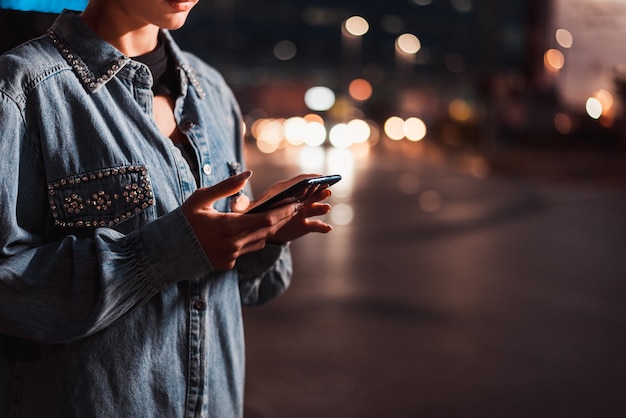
column 224, row 237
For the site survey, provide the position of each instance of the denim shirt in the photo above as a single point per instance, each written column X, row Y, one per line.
column 108, row 305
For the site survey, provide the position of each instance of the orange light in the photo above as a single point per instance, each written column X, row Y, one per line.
column 360, row 89
column 314, row 117
column 563, row 123
column 553, row 60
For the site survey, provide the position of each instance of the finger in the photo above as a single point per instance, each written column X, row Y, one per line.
column 240, row 203
column 255, row 227
column 316, row 209
column 319, row 195
column 318, row 226
column 226, row 188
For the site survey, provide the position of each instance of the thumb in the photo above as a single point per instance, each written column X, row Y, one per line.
column 231, row 186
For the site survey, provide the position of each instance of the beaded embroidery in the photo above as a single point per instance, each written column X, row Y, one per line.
column 92, row 81
column 193, row 79
column 101, row 198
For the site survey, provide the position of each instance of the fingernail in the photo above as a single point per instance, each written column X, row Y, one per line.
column 244, row 176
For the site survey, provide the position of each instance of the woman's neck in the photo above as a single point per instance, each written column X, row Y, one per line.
column 132, row 37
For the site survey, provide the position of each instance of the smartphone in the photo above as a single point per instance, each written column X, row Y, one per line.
column 298, row 191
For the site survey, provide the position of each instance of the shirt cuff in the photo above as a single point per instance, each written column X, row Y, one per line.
column 169, row 251
column 258, row 263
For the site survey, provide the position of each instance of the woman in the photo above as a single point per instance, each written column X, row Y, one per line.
column 122, row 267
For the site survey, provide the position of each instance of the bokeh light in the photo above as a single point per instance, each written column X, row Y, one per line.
column 315, row 134
column 360, row 130
column 564, row 38
column 408, row 43
column 356, row 26
column 593, row 107
column 360, row 89
column 460, row 110
column 340, row 136
column 394, row 128
column 295, row 130
column 319, row 98
column 563, row 123
column 342, row 214
column 285, row 50
column 269, row 135
column 553, row 60
column 414, row 129
column 606, row 99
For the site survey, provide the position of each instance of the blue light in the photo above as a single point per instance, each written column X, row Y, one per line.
column 47, row 6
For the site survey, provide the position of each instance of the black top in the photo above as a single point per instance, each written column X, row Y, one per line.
column 163, row 71
column 166, row 82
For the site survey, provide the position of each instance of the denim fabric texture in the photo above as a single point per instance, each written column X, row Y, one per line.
column 108, row 305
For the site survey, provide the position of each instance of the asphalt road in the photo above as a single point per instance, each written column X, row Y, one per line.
column 447, row 289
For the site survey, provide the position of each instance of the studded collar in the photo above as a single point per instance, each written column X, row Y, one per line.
column 94, row 60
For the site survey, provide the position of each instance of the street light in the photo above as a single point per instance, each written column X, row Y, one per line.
column 352, row 31
column 407, row 46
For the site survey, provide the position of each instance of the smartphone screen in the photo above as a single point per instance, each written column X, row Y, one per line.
column 298, row 191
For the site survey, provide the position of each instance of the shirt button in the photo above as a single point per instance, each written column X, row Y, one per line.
column 199, row 305
column 206, row 169
column 187, row 125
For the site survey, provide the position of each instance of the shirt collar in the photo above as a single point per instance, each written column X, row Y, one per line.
column 94, row 60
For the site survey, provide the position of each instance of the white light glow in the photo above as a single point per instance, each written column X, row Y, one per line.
column 357, row 26
column 361, row 131
column 414, row 129
column 295, row 130
column 341, row 214
column 319, row 98
column 564, row 38
column 594, row 108
column 315, row 134
column 408, row 43
column 340, row 136
column 394, row 128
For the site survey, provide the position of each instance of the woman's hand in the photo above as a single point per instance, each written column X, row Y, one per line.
column 224, row 237
column 301, row 224
column 307, row 207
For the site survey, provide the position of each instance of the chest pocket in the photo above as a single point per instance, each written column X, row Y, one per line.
column 101, row 198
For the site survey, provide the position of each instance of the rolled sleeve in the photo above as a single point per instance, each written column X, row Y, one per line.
column 169, row 251
column 265, row 274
